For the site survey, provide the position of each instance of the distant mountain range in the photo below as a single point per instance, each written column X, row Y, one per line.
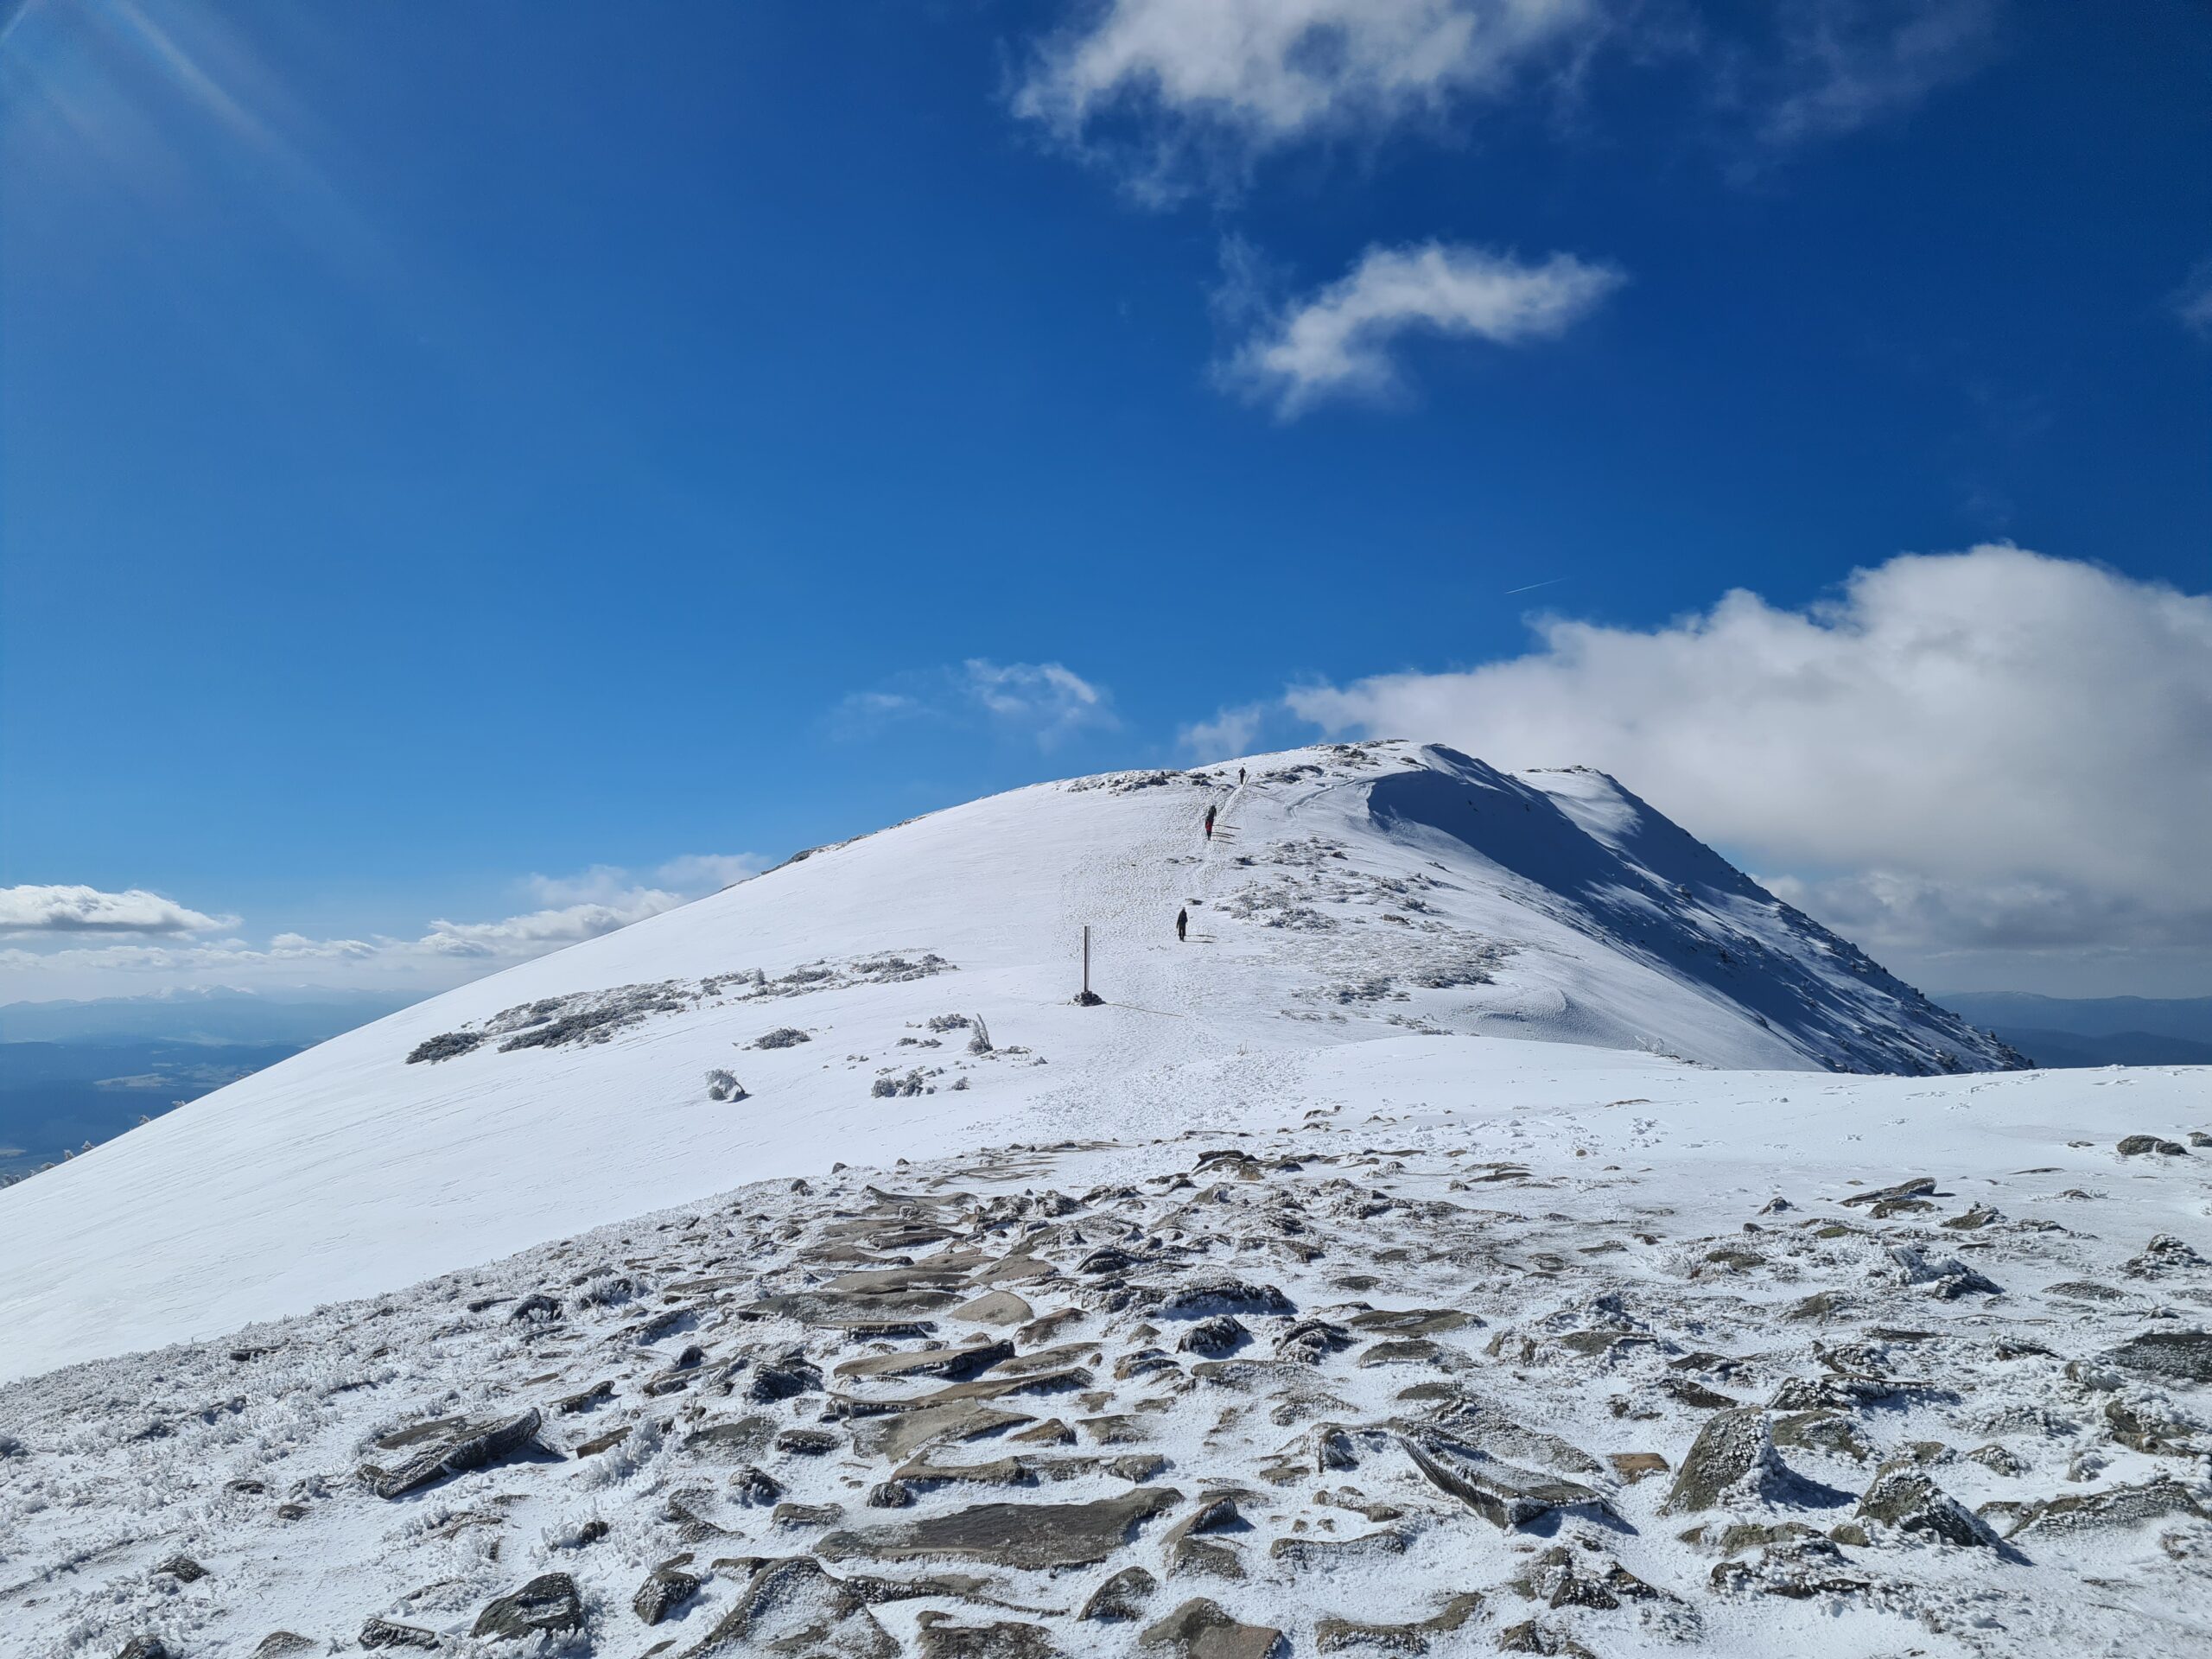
column 2058, row 1031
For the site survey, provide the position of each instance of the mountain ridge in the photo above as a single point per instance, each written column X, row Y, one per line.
column 910, row 992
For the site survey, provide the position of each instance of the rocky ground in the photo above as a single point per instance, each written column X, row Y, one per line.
column 1383, row 1387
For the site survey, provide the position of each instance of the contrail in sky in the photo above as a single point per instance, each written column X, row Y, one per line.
column 1533, row 586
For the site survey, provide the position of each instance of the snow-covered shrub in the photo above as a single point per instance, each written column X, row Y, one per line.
column 722, row 1085
column 606, row 1289
column 782, row 1037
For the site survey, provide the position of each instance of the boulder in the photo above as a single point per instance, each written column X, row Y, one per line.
column 1732, row 1462
column 666, row 1588
column 1908, row 1501
column 547, row 1605
column 1222, row 1333
column 1122, row 1597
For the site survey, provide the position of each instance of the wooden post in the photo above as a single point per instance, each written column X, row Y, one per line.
column 1086, row 959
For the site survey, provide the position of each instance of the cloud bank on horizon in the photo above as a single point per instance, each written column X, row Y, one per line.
column 157, row 943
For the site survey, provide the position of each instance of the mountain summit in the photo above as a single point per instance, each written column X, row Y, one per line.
column 913, row 991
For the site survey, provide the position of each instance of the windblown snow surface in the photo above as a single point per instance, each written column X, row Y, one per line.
column 805, row 1272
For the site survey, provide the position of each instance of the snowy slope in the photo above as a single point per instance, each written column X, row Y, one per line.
column 1349, row 894
column 1974, row 1403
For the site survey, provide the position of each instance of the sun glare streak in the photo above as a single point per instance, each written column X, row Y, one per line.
column 167, row 96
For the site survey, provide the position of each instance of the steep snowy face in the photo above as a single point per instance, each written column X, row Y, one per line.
column 1574, row 845
column 913, row 993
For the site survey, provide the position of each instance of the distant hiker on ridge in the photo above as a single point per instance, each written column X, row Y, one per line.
column 1182, row 926
column 1209, row 824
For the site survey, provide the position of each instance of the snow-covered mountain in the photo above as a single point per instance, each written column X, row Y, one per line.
column 1278, row 1302
column 1347, row 893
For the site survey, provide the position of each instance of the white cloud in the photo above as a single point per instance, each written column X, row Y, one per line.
column 1231, row 732
column 570, row 908
column 87, row 910
column 1847, row 64
column 1215, row 82
column 1986, row 751
column 1337, row 342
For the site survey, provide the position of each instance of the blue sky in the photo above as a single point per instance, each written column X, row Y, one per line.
column 509, row 467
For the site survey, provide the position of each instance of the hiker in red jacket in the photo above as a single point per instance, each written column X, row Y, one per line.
column 1209, row 824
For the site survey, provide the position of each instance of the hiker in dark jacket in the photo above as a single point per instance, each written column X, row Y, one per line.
column 1182, row 924
column 1209, row 824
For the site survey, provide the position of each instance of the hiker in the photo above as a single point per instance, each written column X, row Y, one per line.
column 1182, row 926
column 1209, row 823
column 1240, row 776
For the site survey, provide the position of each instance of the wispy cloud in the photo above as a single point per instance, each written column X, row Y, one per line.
column 1045, row 703
column 2192, row 302
column 1231, row 731
column 64, row 909
column 1176, row 90
column 1338, row 342
column 1178, row 95
column 1848, row 63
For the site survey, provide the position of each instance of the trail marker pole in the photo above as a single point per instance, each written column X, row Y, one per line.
column 1087, row 998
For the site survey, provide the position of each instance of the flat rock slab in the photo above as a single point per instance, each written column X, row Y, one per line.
column 903, row 1434
column 2120, row 1506
column 1035, row 1536
column 995, row 1307
column 822, row 1307
column 1332, row 1634
column 952, row 1363
column 458, row 1448
column 1200, row 1629
column 1503, row 1494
